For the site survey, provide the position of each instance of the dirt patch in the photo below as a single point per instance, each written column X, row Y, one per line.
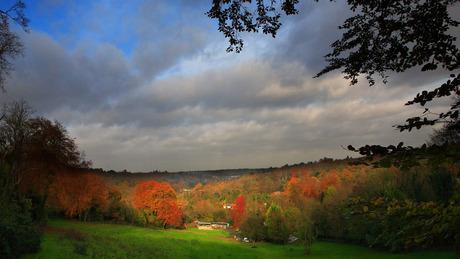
column 48, row 229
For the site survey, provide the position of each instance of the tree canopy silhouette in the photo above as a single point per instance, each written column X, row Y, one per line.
column 10, row 43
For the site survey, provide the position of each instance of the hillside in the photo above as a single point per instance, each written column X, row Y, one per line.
column 189, row 179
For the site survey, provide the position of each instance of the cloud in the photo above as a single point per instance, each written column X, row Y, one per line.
column 171, row 98
column 51, row 77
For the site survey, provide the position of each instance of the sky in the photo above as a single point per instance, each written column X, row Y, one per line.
column 148, row 85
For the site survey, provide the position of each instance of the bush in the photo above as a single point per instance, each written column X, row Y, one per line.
column 403, row 224
column 442, row 182
column 18, row 234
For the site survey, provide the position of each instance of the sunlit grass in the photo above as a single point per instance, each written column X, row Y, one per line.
column 118, row 241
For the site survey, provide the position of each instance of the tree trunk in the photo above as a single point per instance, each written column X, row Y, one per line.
column 86, row 215
column 307, row 247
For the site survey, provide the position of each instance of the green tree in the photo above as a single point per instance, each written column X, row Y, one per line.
column 253, row 225
column 115, row 204
column 305, row 233
column 277, row 228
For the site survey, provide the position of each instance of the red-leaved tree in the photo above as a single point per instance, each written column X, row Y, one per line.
column 158, row 199
column 238, row 211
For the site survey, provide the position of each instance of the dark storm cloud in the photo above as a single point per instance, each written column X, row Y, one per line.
column 51, row 77
column 306, row 37
column 167, row 34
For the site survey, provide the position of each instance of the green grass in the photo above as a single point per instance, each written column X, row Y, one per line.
column 117, row 241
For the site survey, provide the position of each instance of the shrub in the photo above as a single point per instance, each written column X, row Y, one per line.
column 403, row 224
column 17, row 239
column 442, row 182
column 18, row 233
column 80, row 248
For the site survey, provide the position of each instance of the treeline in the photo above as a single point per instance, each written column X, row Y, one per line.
column 185, row 179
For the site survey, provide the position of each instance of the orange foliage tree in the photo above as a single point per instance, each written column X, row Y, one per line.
column 237, row 212
column 294, row 192
column 331, row 179
column 77, row 192
column 311, row 187
column 158, row 199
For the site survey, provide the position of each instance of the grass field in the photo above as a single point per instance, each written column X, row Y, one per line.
column 74, row 239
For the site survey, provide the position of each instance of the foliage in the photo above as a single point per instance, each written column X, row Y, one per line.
column 443, row 183
column 34, row 151
column 395, row 35
column 159, row 200
column 408, row 157
column 115, row 204
column 381, row 37
column 449, row 133
column 245, row 17
column 277, row 228
column 253, row 226
column 305, row 233
column 78, row 192
column 18, row 234
column 403, row 224
column 237, row 211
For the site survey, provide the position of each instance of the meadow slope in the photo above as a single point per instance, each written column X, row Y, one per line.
column 75, row 239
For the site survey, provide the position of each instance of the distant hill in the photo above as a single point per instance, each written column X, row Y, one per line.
column 189, row 179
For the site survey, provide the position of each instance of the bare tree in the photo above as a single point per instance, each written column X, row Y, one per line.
column 10, row 43
column 14, row 131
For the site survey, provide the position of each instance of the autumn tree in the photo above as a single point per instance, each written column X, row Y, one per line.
column 311, row 187
column 33, row 151
column 237, row 211
column 294, row 192
column 78, row 192
column 202, row 210
column 50, row 150
column 158, row 200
